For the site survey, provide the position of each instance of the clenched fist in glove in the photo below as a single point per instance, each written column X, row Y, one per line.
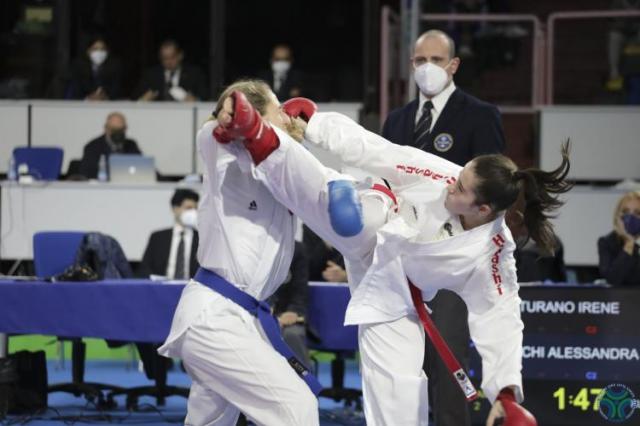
column 239, row 120
column 507, row 412
column 300, row 107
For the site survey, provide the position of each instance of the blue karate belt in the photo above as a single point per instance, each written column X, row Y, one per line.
column 262, row 311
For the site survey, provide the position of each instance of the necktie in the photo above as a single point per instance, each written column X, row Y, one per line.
column 277, row 81
column 423, row 127
column 179, row 272
column 168, row 84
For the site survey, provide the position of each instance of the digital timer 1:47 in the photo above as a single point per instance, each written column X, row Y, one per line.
column 579, row 400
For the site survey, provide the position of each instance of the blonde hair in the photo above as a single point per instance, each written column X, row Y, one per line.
column 617, row 222
column 258, row 93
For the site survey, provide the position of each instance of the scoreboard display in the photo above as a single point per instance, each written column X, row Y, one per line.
column 581, row 356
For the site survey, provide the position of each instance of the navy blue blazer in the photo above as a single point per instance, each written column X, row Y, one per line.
column 466, row 128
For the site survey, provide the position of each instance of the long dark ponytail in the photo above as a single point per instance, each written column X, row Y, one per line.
column 501, row 183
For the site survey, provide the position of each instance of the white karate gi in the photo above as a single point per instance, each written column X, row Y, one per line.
column 477, row 264
column 247, row 237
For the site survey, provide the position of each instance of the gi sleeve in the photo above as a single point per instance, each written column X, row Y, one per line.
column 497, row 335
column 360, row 148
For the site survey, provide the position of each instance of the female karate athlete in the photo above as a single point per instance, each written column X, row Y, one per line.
column 442, row 227
column 220, row 329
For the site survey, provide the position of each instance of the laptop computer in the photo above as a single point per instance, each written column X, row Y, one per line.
column 131, row 168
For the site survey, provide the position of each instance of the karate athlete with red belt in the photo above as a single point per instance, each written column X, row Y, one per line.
column 443, row 227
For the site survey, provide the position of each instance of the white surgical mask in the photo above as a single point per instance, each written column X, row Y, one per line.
column 430, row 78
column 280, row 66
column 98, row 56
column 189, row 218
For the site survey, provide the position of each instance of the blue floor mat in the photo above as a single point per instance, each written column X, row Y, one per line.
column 67, row 409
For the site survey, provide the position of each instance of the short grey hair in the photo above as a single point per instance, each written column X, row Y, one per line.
column 439, row 33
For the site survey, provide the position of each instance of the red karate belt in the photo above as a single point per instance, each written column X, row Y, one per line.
column 441, row 346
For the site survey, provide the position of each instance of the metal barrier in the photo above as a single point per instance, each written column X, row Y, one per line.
column 551, row 23
column 542, row 83
column 387, row 27
column 389, row 22
column 536, row 51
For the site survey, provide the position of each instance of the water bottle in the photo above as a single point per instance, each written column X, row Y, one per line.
column 23, row 173
column 11, row 171
column 102, row 169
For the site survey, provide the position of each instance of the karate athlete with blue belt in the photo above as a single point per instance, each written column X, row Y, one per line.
column 442, row 226
column 228, row 340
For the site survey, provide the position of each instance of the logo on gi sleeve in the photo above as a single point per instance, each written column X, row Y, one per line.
column 253, row 205
column 443, row 142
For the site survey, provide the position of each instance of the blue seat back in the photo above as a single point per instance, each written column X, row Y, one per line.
column 54, row 251
column 327, row 306
column 44, row 163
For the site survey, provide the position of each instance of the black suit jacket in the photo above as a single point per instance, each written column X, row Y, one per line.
column 616, row 265
column 191, row 79
column 84, row 80
column 94, row 149
column 156, row 255
column 293, row 80
column 466, row 128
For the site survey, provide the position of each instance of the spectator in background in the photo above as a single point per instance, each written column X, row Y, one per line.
column 533, row 265
column 285, row 81
column 447, row 122
column 618, row 250
column 622, row 32
column 325, row 262
column 96, row 75
column 172, row 80
column 165, row 255
column 290, row 305
column 172, row 252
column 113, row 141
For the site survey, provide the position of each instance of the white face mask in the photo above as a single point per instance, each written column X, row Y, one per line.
column 189, row 218
column 430, row 78
column 98, row 56
column 280, row 66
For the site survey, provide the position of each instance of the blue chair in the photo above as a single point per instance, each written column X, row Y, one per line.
column 54, row 251
column 44, row 163
column 325, row 316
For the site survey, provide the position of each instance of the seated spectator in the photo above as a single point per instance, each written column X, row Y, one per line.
column 169, row 249
column 622, row 33
column 96, row 75
column 533, row 265
column 172, row 80
column 289, row 304
column 325, row 262
column 285, row 80
column 165, row 255
column 113, row 141
column 618, row 250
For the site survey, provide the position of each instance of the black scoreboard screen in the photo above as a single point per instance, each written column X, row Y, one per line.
column 581, row 356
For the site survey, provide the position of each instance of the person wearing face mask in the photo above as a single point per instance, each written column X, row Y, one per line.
column 447, row 122
column 618, row 251
column 96, row 75
column 285, row 81
column 171, row 252
column 113, row 141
